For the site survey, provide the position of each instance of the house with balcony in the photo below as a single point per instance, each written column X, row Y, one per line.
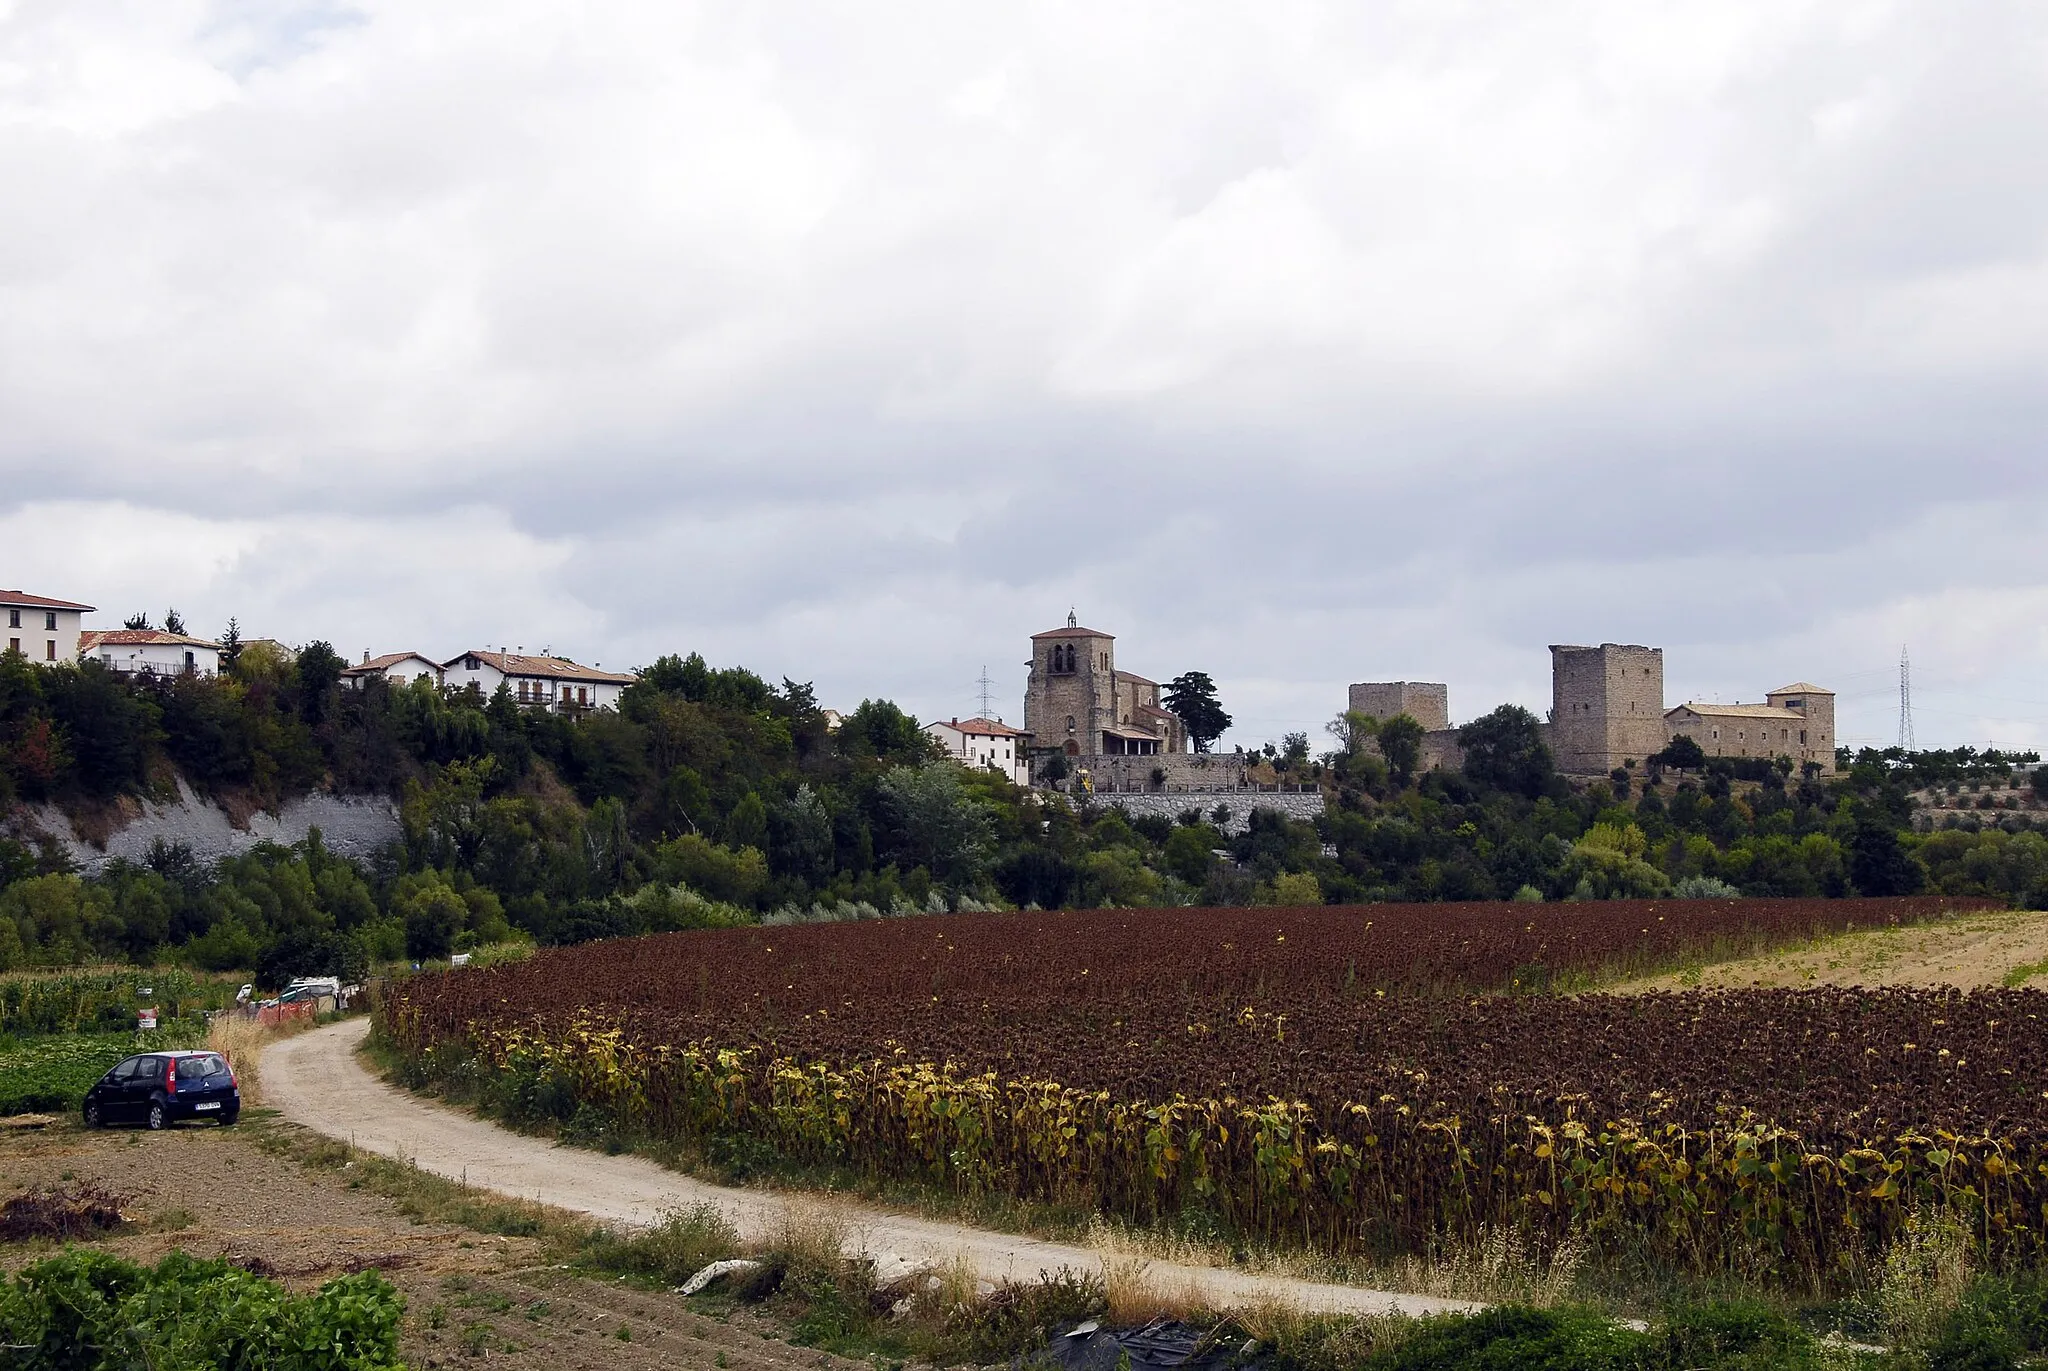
column 540, row 682
column 153, row 650
column 40, row 628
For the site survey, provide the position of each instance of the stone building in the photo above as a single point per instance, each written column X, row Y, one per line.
column 1607, row 706
column 1077, row 702
column 1796, row 721
column 1426, row 702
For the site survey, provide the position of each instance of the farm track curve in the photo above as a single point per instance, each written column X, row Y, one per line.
column 317, row 1081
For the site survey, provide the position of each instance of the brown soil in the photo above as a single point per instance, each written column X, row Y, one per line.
column 469, row 1296
column 1970, row 951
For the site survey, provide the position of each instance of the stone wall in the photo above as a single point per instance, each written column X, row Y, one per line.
column 1426, row 702
column 1199, row 772
column 1305, row 806
column 354, row 826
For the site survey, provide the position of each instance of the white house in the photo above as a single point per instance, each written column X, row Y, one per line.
column 150, row 649
column 545, row 682
column 41, row 629
column 984, row 743
column 399, row 668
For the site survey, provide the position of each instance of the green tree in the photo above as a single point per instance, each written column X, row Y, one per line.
column 1401, row 744
column 1505, row 750
column 936, row 822
column 1192, row 697
column 230, row 644
column 174, row 622
column 1190, row 853
column 1879, row 864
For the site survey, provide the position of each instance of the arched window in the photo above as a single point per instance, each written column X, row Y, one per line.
column 1070, row 723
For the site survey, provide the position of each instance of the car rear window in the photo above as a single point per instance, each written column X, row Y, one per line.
column 200, row 1067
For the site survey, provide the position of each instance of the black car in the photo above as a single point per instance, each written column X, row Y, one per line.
column 156, row 1088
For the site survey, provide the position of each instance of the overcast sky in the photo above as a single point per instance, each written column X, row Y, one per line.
column 1297, row 343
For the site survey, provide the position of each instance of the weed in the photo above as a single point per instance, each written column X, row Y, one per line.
column 681, row 1242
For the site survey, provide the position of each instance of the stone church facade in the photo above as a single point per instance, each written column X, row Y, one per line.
column 1111, row 727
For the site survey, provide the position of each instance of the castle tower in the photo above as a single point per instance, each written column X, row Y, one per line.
column 1426, row 702
column 1816, row 730
column 1607, row 706
column 1070, row 698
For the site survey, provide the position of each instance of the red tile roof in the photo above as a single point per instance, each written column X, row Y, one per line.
column 551, row 668
column 139, row 637
column 22, row 599
column 377, row 665
column 989, row 728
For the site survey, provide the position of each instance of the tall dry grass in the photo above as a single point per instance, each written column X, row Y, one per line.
column 242, row 1041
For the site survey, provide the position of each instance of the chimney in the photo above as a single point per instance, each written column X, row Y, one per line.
column 366, row 656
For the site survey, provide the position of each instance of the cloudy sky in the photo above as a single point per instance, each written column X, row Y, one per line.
column 1299, row 343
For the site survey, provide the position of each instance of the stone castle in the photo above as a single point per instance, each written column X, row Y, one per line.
column 1606, row 711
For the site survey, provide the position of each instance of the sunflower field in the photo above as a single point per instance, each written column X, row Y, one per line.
column 1366, row 1080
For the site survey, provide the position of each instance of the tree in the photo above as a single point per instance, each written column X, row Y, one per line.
column 230, row 645
column 1505, row 750
column 1879, row 864
column 318, row 669
column 174, row 622
column 138, row 621
column 1192, row 697
column 1401, row 745
column 937, row 822
column 1682, row 753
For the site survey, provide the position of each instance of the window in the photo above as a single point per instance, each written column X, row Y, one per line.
column 50, row 620
column 14, row 644
column 582, row 696
column 1802, row 737
column 469, row 664
column 14, row 618
column 1070, row 723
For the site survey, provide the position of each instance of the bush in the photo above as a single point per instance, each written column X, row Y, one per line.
column 87, row 1309
column 682, row 1243
column 1704, row 888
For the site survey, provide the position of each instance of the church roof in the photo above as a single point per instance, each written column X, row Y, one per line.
column 1134, row 676
column 1802, row 688
column 1072, row 631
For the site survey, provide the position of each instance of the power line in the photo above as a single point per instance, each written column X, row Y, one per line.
column 1905, row 732
column 987, row 692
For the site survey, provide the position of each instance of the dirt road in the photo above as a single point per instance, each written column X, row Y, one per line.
column 317, row 1080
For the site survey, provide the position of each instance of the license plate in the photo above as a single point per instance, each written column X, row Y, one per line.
column 212, row 1105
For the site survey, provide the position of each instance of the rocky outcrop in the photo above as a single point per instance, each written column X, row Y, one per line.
column 354, row 826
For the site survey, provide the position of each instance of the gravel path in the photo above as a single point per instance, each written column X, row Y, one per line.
column 317, row 1080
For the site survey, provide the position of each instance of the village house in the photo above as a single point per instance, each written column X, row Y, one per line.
column 398, row 668
column 543, row 681
column 42, row 629
column 984, row 743
column 154, row 650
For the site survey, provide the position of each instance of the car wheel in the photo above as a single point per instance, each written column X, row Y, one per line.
column 227, row 1120
column 157, row 1118
column 92, row 1114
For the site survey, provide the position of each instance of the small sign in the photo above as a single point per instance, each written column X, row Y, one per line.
column 146, row 1019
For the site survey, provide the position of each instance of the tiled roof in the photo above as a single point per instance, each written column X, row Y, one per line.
column 139, row 637
column 1136, row 678
column 1738, row 711
column 990, row 728
column 1075, row 632
column 1155, row 709
column 22, row 599
column 385, row 663
column 550, row 668
column 1802, row 688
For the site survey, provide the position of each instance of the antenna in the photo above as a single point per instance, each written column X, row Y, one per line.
column 987, row 687
column 1905, row 700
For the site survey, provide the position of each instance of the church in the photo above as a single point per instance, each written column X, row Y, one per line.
column 1078, row 703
